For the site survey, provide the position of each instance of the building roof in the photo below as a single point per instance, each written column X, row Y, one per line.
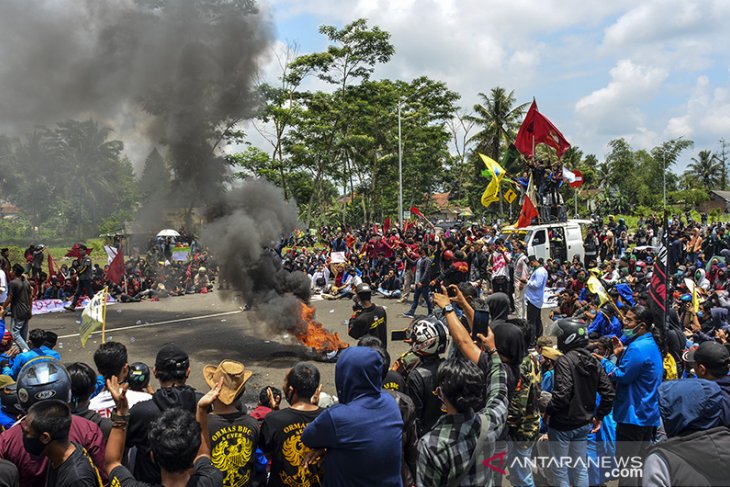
column 441, row 200
column 725, row 195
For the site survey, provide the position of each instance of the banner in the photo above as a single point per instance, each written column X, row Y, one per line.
column 93, row 316
column 181, row 254
column 45, row 306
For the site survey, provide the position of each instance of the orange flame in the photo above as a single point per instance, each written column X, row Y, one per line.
column 316, row 335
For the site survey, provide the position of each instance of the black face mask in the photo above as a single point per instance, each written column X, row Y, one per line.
column 34, row 446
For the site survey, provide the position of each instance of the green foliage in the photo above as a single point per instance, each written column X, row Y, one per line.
column 68, row 180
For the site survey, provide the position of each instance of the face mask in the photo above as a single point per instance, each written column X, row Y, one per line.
column 629, row 332
column 34, row 446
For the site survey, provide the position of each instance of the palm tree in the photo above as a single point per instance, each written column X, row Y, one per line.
column 707, row 169
column 498, row 121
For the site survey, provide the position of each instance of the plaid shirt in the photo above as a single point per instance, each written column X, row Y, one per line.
column 445, row 451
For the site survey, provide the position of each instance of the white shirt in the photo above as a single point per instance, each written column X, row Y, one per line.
column 104, row 404
column 3, row 287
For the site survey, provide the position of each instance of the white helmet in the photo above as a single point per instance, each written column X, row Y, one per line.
column 428, row 336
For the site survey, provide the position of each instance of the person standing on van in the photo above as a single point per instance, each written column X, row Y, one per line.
column 534, row 297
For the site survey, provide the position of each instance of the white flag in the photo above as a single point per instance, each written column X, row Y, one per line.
column 93, row 316
column 569, row 175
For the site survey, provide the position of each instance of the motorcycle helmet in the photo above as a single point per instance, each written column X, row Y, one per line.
column 428, row 336
column 139, row 376
column 41, row 379
column 571, row 333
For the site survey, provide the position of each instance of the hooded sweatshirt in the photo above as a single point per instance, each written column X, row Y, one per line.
column 144, row 413
column 698, row 451
column 363, row 433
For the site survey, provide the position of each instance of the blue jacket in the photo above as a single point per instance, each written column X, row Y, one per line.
column 691, row 405
column 363, row 433
column 638, row 376
column 23, row 358
column 605, row 328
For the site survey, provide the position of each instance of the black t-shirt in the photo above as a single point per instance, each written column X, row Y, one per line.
column 234, row 438
column 20, row 301
column 204, row 475
column 394, row 381
column 281, row 439
column 77, row 471
column 370, row 321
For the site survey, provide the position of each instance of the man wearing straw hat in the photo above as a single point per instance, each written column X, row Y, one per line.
column 234, row 434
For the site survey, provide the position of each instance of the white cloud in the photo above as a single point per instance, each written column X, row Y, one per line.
column 706, row 113
column 616, row 108
column 558, row 51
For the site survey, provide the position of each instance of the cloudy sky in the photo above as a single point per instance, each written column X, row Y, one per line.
column 648, row 71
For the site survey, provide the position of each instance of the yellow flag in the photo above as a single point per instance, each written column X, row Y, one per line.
column 595, row 286
column 491, row 194
column 93, row 316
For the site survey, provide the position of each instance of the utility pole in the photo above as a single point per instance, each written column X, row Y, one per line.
column 723, row 158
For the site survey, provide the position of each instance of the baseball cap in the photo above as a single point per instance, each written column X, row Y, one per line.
column 712, row 355
column 172, row 357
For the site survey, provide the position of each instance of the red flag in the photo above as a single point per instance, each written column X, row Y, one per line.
column 536, row 127
column 75, row 252
column 53, row 268
column 416, row 211
column 116, row 268
column 578, row 182
column 527, row 213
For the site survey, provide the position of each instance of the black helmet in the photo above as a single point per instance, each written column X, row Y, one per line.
column 9, row 401
column 139, row 376
column 43, row 378
column 571, row 333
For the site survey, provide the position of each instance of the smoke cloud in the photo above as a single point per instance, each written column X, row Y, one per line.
column 243, row 230
column 160, row 72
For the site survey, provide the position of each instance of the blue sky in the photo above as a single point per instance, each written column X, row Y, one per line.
column 648, row 71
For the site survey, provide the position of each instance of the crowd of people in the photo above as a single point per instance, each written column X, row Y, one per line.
column 486, row 392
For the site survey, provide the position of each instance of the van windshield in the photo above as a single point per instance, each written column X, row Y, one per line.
column 514, row 235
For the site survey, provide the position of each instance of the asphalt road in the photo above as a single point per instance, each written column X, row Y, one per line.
column 210, row 329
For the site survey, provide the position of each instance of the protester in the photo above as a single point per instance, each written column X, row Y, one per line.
column 428, row 342
column 179, row 443
column 46, row 433
column 362, row 435
column 368, row 318
column 84, row 279
column 534, row 297
column 638, row 375
column 579, row 377
column 41, row 380
column 698, row 449
column 172, row 369
column 38, row 348
column 233, row 434
column 83, row 386
column 111, row 360
column 21, row 306
column 281, row 430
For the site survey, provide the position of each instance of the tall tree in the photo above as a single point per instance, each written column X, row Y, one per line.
column 707, row 168
column 497, row 119
column 155, row 175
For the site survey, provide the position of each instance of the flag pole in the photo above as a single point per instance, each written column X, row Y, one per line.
column 103, row 315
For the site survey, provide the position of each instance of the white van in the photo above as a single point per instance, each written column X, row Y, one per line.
column 560, row 240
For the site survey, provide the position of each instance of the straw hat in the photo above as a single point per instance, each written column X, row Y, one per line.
column 234, row 375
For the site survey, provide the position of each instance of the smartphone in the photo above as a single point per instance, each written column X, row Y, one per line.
column 398, row 335
column 481, row 323
column 451, row 292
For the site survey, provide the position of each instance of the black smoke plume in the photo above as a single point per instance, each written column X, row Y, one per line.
column 243, row 230
column 174, row 73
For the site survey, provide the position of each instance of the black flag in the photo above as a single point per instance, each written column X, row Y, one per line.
column 659, row 285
